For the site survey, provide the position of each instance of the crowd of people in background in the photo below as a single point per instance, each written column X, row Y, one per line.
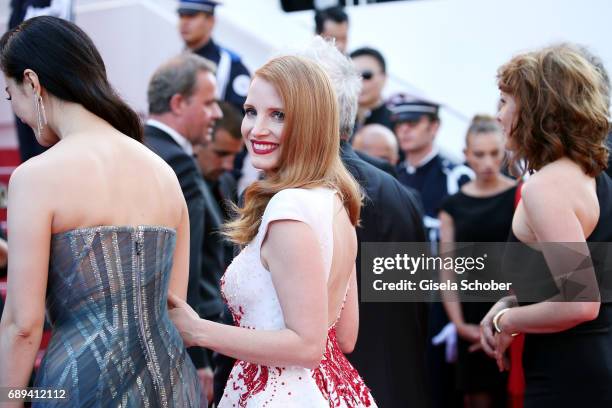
column 412, row 192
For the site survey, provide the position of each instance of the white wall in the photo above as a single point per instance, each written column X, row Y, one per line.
column 134, row 37
column 446, row 50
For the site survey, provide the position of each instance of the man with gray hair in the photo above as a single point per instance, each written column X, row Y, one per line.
column 390, row 349
column 182, row 110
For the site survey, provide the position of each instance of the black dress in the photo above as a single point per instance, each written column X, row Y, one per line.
column 572, row 368
column 480, row 219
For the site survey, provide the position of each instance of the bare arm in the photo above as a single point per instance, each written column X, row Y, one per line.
column 450, row 300
column 487, row 336
column 447, row 238
column 299, row 279
column 29, row 223
column 180, row 263
column 347, row 327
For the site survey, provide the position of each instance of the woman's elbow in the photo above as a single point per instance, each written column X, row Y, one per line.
column 576, row 313
column 23, row 328
column 587, row 311
column 312, row 355
column 347, row 348
column 347, row 343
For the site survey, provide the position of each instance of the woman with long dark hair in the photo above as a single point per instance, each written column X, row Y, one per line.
column 98, row 230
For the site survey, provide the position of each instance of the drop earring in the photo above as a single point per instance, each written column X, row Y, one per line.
column 40, row 113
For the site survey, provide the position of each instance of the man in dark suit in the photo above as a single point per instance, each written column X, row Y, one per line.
column 183, row 109
column 215, row 157
column 390, row 349
column 377, row 162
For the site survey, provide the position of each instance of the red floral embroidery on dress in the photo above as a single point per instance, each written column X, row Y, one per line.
column 255, row 378
column 237, row 315
column 336, row 378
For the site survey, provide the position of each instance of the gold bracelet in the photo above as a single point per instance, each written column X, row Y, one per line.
column 496, row 318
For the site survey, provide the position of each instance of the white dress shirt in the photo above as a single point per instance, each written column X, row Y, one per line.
column 176, row 136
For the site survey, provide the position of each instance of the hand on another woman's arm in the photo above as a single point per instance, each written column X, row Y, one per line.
column 292, row 254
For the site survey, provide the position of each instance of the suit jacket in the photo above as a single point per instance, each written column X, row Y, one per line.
column 225, row 191
column 213, row 255
column 390, row 349
column 378, row 163
column 189, row 177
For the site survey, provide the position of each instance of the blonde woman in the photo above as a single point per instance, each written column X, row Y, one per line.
column 292, row 290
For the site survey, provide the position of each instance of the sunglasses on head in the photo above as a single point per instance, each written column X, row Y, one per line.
column 367, row 75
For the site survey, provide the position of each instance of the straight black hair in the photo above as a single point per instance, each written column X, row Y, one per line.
column 68, row 66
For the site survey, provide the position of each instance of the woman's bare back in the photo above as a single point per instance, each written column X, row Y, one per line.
column 106, row 178
column 343, row 260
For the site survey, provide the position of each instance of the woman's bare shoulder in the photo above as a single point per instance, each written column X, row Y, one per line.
column 37, row 172
column 557, row 196
column 557, row 179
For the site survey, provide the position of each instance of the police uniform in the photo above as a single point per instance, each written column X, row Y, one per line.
column 435, row 178
column 233, row 78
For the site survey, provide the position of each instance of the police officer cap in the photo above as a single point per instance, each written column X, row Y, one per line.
column 196, row 6
column 408, row 109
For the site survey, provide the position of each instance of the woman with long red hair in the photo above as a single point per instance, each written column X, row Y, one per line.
column 292, row 289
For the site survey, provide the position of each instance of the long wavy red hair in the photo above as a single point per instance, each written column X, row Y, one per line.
column 311, row 144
